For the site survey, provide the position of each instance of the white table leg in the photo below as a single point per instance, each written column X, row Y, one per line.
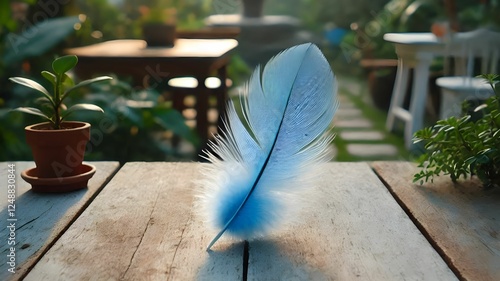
column 398, row 93
column 418, row 98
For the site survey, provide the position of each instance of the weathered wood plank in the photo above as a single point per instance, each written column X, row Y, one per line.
column 356, row 230
column 41, row 218
column 461, row 219
column 141, row 227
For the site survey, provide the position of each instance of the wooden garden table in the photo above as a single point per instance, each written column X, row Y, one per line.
column 143, row 226
column 154, row 66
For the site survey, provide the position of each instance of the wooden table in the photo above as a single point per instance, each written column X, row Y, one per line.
column 144, row 226
column 154, row 66
column 40, row 219
column 461, row 220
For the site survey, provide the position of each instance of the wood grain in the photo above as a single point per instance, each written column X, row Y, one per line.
column 142, row 227
column 462, row 220
column 356, row 230
column 42, row 218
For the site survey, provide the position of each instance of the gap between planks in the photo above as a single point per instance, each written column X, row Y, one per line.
column 420, row 227
column 246, row 257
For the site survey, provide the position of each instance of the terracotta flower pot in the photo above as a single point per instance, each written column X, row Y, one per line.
column 159, row 35
column 58, row 153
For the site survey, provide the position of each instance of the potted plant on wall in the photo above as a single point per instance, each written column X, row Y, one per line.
column 158, row 24
column 57, row 145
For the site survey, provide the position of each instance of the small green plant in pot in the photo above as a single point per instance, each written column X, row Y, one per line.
column 465, row 146
column 159, row 24
column 58, row 146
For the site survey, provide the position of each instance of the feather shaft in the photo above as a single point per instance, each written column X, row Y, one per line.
column 257, row 180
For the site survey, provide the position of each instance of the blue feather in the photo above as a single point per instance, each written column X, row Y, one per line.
column 270, row 148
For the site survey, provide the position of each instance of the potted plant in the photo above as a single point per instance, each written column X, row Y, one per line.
column 158, row 24
column 58, row 146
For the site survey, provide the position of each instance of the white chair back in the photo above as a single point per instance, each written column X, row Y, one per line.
column 467, row 48
column 481, row 45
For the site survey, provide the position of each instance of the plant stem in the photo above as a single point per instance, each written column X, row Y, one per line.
column 464, row 143
column 57, row 102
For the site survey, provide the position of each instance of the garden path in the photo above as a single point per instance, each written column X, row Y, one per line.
column 359, row 126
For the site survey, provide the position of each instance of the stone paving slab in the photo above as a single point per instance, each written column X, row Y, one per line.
column 358, row 123
column 372, row 150
column 347, row 105
column 353, row 88
column 348, row 112
column 362, row 135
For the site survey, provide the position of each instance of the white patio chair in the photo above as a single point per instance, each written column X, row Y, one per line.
column 468, row 48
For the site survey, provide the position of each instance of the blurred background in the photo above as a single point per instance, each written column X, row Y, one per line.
column 349, row 32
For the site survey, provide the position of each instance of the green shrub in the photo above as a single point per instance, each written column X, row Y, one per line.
column 137, row 125
column 462, row 147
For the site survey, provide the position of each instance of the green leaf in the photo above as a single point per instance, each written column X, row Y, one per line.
column 50, row 77
column 483, row 134
column 171, row 119
column 496, row 134
column 132, row 115
column 38, row 39
column 63, row 64
column 33, row 85
column 482, row 159
column 82, row 106
column 464, row 119
column 481, row 107
column 42, row 100
column 85, row 83
column 448, row 129
column 67, row 82
column 469, row 161
column 32, row 111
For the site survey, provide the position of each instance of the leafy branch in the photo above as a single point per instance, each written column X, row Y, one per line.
column 462, row 147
